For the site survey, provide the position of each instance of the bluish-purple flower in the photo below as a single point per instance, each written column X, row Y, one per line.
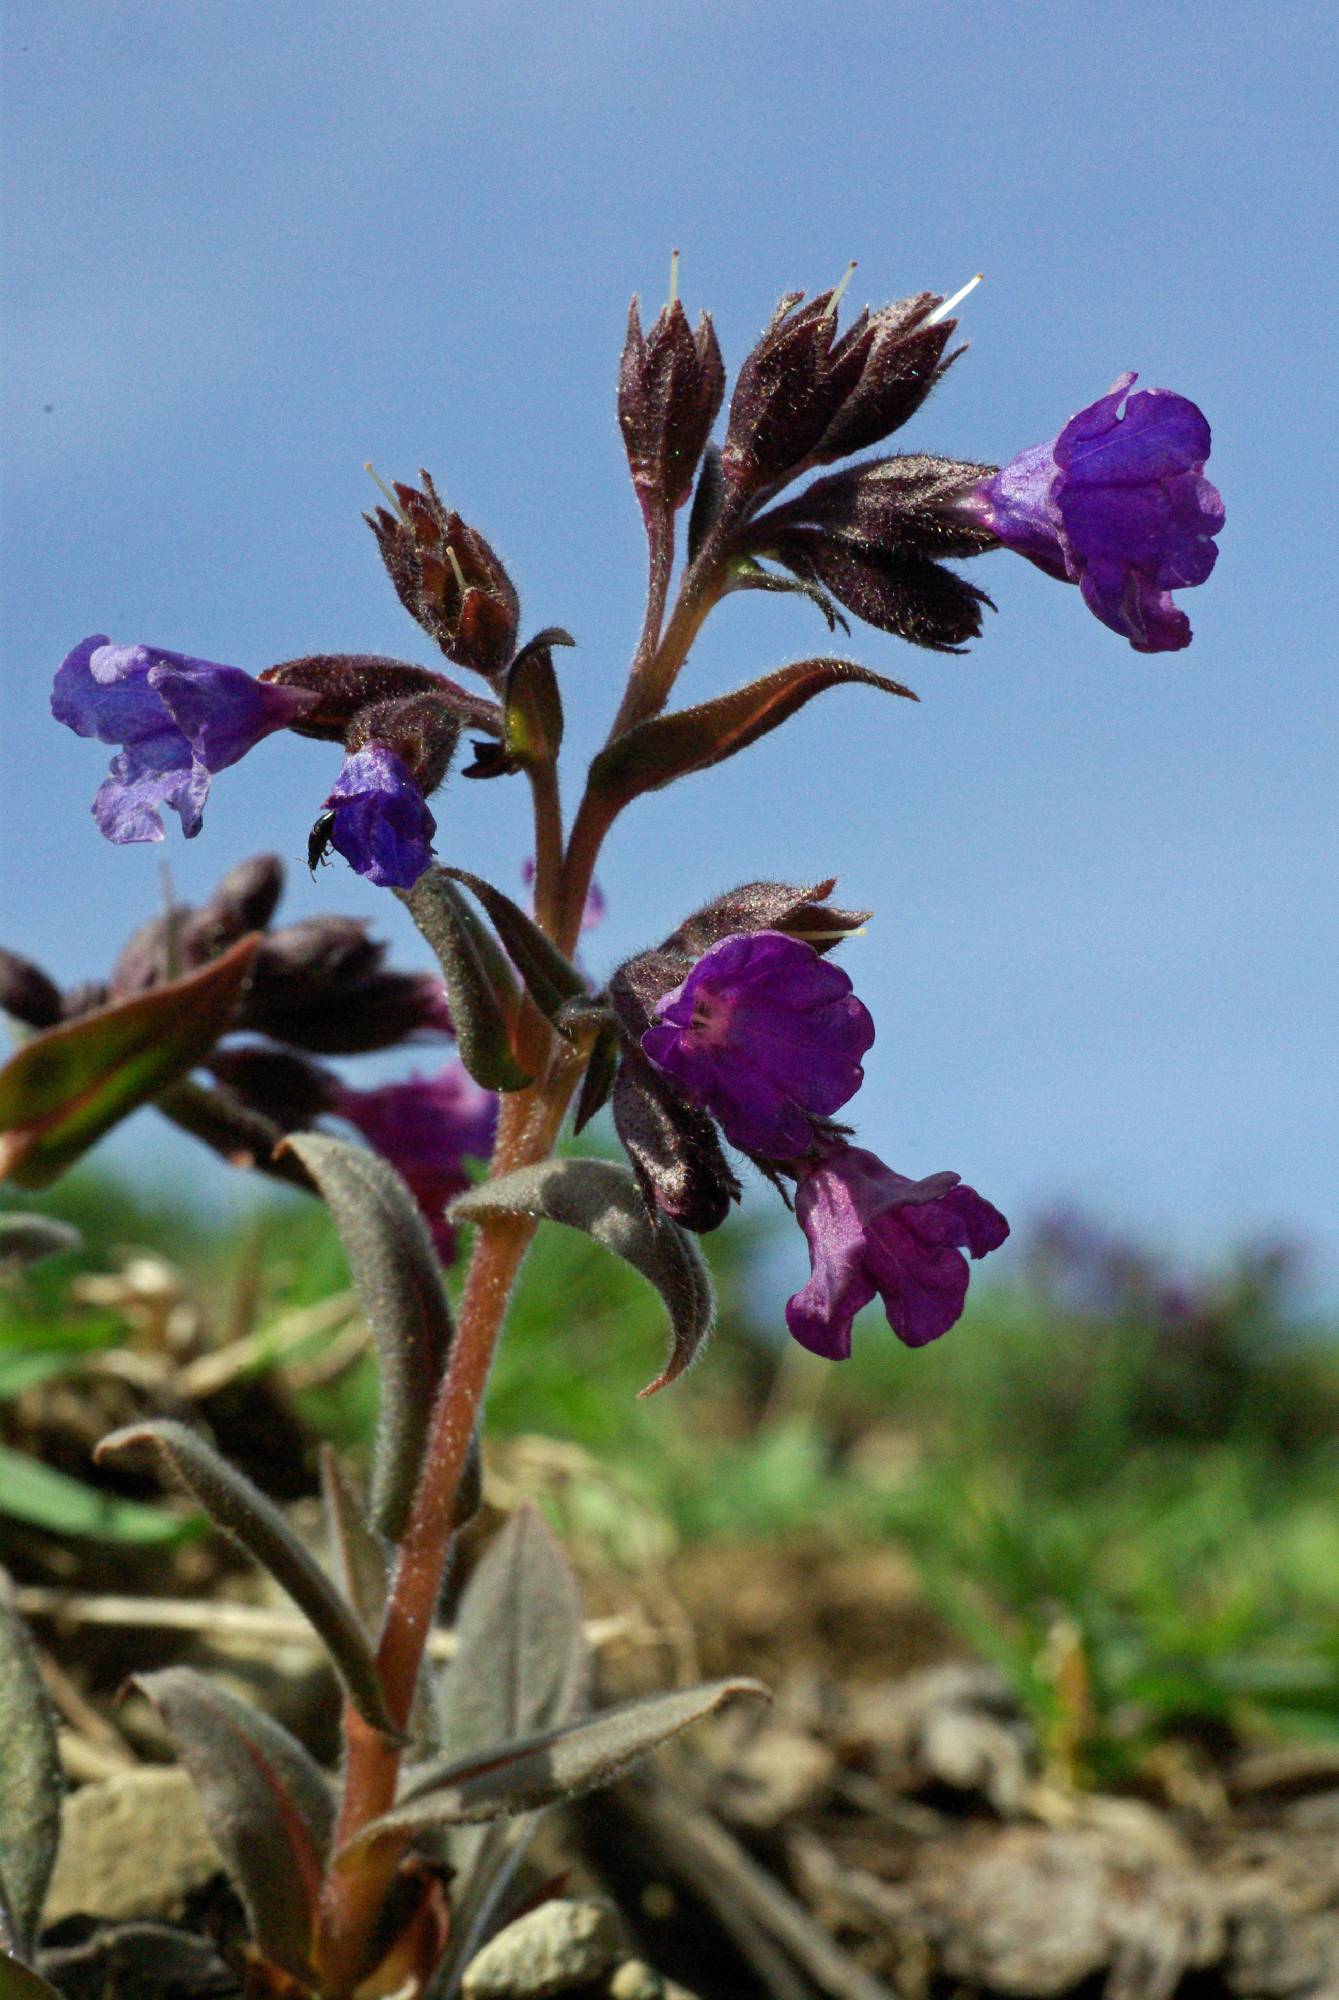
column 426, row 1127
column 178, row 719
column 380, row 819
column 1117, row 504
column 766, row 1035
column 871, row 1231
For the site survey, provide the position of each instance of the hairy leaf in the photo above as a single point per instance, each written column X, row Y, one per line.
column 242, row 1511
column 397, row 1276
column 519, row 1777
column 25, row 1239
column 481, row 991
column 550, row 979
column 30, row 1783
column 601, row 1069
column 268, row 1808
column 655, row 753
column 360, row 1556
column 603, row 1199
column 69, row 1085
column 521, row 1663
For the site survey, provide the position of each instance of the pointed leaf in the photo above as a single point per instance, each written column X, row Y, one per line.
column 558, row 1765
column 268, row 1807
column 521, row 1663
column 30, row 1783
column 667, row 747
column 242, row 1511
column 360, row 1556
column 24, row 1239
column 397, row 1276
column 481, row 991
column 603, row 1199
column 20, row 1982
column 707, row 499
column 749, row 575
column 550, row 979
column 601, row 1070
column 533, row 706
column 67, row 1086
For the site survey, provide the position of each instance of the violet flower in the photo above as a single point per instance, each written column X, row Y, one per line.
column 426, row 1127
column 873, row 1231
column 179, row 720
column 766, row 1035
column 1117, row 504
column 380, row 820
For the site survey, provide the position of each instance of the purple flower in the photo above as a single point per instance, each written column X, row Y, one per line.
column 179, row 720
column 871, row 1230
column 380, row 819
column 1118, row 505
column 426, row 1127
column 766, row 1035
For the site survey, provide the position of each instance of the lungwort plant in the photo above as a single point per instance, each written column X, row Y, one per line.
column 737, row 1038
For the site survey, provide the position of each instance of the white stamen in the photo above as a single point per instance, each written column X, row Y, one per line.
column 942, row 312
column 674, row 277
column 837, row 295
column 382, row 487
column 454, row 561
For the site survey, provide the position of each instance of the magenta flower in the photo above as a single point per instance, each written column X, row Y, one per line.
column 426, row 1127
column 766, row 1035
column 873, row 1231
column 179, row 720
column 380, row 820
column 1117, row 504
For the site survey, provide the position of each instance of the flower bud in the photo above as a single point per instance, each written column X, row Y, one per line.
column 419, row 728
column 27, row 993
column 321, row 985
column 448, row 578
column 805, row 398
column 346, row 683
column 912, row 502
column 673, row 1148
column 277, row 1083
column 763, row 906
column 670, row 385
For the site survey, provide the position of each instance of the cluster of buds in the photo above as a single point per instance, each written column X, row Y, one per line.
column 316, row 988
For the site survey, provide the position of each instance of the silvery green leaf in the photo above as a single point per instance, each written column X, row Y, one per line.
column 268, row 1807
column 30, row 1784
column 242, row 1511
column 480, row 987
column 398, row 1278
column 550, row 978
column 521, row 1664
column 359, row 1555
column 519, row 1777
column 603, row 1199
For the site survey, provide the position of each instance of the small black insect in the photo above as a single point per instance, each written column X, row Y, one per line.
column 318, row 841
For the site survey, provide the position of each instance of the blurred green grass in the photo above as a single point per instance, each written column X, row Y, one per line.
column 1118, row 1487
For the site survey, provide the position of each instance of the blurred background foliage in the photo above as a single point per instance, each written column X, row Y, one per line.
column 1115, row 1482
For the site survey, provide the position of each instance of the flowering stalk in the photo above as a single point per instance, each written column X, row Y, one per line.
column 737, row 1030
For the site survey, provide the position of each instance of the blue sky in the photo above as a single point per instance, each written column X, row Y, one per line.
column 251, row 246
